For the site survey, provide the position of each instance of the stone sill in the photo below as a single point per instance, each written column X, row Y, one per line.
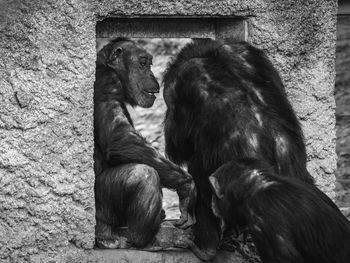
column 170, row 256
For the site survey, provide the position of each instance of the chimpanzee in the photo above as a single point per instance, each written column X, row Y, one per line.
column 129, row 172
column 289, row 220
column 226, row 100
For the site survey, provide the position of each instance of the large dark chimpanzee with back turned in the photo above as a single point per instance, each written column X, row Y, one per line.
column 226, row 101
column 129, row 172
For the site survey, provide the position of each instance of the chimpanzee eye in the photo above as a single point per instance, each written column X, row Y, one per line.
column 117, row 52
column 143, row 62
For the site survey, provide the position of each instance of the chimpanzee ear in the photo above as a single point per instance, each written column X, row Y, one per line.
column 216, row 187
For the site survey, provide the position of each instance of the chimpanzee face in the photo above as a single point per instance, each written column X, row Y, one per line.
column 133, row 66
column 219, row 204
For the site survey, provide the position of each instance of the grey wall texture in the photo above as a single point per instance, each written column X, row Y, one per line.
column 47, row 64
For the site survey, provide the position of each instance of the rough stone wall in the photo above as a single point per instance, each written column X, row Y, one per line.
column 47, row 54
column 46, row 132
column 303, row 49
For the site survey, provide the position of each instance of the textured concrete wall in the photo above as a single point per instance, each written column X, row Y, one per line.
column 46, row 130
column 303, row 49
column 47, row 54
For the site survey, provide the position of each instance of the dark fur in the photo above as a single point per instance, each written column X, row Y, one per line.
column 227, row 101
column 128, row 193
column 290, row 221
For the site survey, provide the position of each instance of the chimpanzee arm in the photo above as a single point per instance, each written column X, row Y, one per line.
column 120, row 143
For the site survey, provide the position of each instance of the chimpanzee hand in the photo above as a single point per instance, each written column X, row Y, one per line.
column 187, row 200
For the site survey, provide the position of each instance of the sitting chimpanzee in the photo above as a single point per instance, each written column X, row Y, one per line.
column 129, row 172
column 290, row 221
column 226, row 101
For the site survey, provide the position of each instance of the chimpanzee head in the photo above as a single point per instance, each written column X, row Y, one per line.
column 233, row 184
column 132, row 64
column 228, row 202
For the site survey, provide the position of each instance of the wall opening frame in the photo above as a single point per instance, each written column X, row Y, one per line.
column 160, row 27
column 235, row 28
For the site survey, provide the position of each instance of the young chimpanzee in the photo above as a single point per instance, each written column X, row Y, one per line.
column 129, row 172
column 290, row 221
column 226, row 101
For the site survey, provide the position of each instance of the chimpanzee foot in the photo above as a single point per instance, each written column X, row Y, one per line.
column 106, row 238
column 119, row 242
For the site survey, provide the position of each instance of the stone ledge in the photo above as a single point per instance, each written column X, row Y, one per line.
column 169, row 256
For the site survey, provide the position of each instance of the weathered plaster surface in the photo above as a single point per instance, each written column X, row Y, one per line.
column 303, row 49
column 46, row 135
column 47, row 54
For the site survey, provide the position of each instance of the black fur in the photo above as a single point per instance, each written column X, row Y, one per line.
column 129, row 172
column 290, row 221
column 227, row 101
